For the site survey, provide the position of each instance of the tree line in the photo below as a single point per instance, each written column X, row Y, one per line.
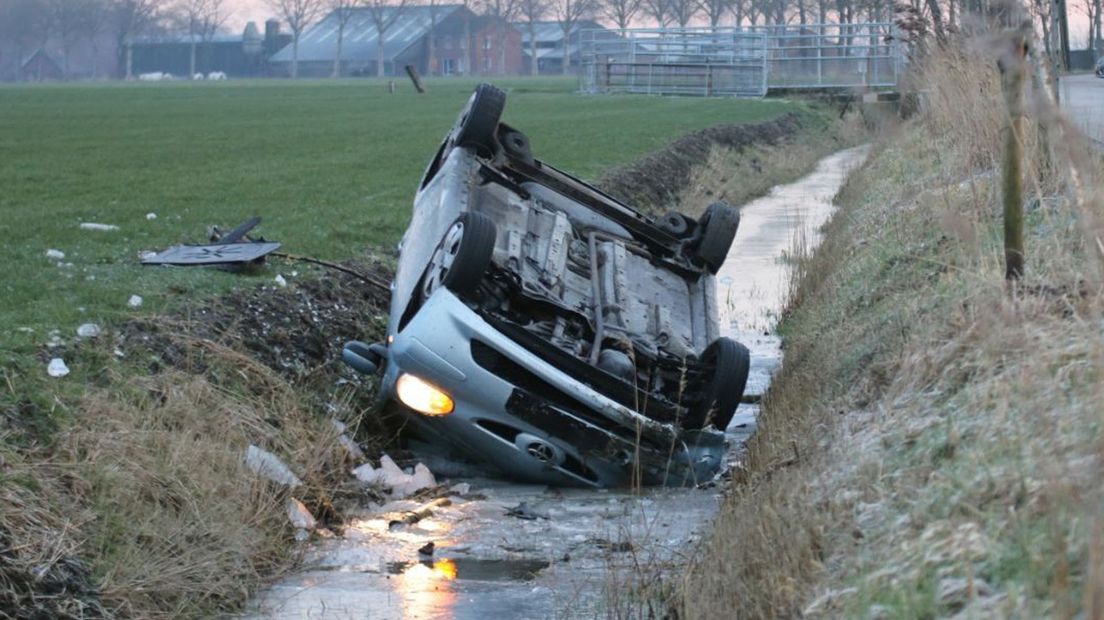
column 26, row 25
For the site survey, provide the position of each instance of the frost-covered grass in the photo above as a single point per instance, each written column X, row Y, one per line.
column 330, row 166
column 932, row 446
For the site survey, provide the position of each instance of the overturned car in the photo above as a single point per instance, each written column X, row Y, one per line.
column 546, row 328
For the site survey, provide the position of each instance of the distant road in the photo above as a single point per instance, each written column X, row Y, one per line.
column 1082, row 96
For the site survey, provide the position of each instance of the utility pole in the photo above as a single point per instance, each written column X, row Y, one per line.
column 1063, row 27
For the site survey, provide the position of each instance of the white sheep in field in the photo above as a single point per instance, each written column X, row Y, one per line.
column 216, row 75
column 154, row 76
column 197, row 76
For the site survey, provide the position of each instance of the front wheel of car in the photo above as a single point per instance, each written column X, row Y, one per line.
column 462, row 256
column 721, row 387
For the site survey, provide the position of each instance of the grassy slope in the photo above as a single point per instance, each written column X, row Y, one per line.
column 932, row 446
column 330, row 166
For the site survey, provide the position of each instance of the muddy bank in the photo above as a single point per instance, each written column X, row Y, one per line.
column 654, row 182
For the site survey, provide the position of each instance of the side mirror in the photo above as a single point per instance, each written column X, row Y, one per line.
column 364, row 358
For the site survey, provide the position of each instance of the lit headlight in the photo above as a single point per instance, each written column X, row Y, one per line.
column 422, row 397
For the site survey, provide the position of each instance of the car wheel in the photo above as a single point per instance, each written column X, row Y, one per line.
column 717, row 229
column 516, row 145
column 722, row 388
column 462, row 257
column 478, row 121
column 674, row 223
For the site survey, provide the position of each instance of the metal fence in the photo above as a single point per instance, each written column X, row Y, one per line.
column 743, row 61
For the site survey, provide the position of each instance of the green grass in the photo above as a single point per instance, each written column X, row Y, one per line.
column 330, row 166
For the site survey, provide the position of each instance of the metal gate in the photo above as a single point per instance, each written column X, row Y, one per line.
column 742, row 62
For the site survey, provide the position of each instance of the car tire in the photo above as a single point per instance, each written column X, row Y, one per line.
column 478, row 121
column 716, row 231
column 462, row 257
column 722, row 389
column 516, row 145
column 674, row 224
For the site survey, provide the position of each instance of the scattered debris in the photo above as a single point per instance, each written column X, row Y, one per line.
column 89, row 330
column 280, row 281
column 55, row 254
column 299, row 516
column 427, row 549
column 622, row 546
column 413, row 516
column 351, row 447
column 100, row 227
column 302, row 535
column 135, row 301
column 268, row 465
column 151, row 216
column 57, row 368
column 391, row 476
column 523, row 511
column 462, row 488
column 233, row 248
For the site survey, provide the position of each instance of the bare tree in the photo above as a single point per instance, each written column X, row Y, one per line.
column 65, row 22
column 659, row 10
column 92, row 21
column 682, row 11
column 26, row 23
column 203, row 19
column 569, row 13
column 621, row 11
column 533, row 11
column 384, row 14
column 342, row 11
column 130, row 18
column 716, row 10
column 298, row 14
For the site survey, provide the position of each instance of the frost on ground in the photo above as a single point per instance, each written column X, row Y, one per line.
column 932, row 447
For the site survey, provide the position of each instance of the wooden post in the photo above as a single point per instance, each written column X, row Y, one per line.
column 415, row 78
column 1013, row 68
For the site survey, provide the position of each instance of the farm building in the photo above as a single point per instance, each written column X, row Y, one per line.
column 490, row 47
column 38, row 67
column 551, row 44
column 235, row 55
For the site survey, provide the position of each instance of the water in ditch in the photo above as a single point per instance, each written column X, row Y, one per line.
column 579, row 552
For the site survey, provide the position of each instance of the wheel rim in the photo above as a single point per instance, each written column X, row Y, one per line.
column 443, row 257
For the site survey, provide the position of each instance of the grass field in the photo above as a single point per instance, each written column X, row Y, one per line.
column 330, row 166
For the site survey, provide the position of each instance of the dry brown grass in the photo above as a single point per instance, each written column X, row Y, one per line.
column 933, row 443
column 148, row 482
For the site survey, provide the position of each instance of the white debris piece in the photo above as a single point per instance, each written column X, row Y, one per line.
column 301, row 535
column 462, row 488
column 350, row 446
column 55, row 254
column 270, row 466
column 95, row 226
column 367, row 474
column 151, row 216
column 57, row 368
column 280, row 281
column 135, row 301
column 299, row 516
column 88, row 330
column 422, row 478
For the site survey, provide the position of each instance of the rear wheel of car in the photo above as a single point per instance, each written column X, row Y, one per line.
column 722, row 387
column 462, row 257
column 674, row 223
column 717, row 230
column 516, row 145
column 478, row 121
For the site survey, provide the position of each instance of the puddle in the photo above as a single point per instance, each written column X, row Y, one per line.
column 593, row 545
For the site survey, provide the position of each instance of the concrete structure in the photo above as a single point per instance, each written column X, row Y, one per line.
column 490, row 48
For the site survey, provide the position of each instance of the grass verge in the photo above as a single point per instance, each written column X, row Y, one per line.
column 932, row 446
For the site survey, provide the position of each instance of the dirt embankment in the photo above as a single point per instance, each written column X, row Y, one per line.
column 733, row 163
column 932, row 446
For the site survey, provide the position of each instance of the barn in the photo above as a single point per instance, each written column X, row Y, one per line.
column 490, row 47
column 38, row 66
